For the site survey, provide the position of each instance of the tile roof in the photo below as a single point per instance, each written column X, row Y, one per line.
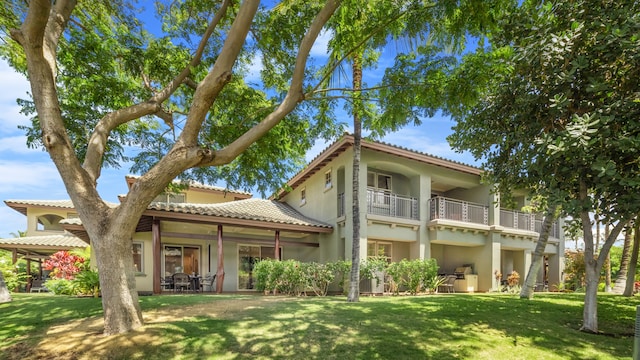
column 248, row 209
column 65, row 204
column 57, row 240
column 197, row 185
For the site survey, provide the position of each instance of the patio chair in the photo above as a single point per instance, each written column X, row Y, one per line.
column 448, row 284
column 166, row 283
column 38, row 286
column 181, row 282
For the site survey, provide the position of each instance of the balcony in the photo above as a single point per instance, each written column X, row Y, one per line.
column 452, row 209
column 517, row 220
column 385, row 203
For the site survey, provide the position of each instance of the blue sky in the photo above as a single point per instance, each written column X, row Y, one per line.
column 29, row 173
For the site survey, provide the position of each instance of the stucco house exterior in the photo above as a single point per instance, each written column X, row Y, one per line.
column 413, row 205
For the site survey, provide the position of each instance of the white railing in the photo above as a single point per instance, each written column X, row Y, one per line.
column 517, row 220
column 452, row 209
column 386, row 203
column 553, row 233
column 340, row 204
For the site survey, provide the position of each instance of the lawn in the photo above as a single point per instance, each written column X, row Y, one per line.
column 483, row 326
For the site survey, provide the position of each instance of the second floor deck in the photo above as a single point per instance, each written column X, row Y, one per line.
column 392, row 205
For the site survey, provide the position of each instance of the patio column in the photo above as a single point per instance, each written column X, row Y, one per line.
column 29, row 279
column 220, row 272
column 157, row 240
column 277, row 249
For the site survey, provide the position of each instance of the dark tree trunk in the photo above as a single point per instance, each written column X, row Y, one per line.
column 538, row 255
column 354, row 281
column 621, row 280
column 630, row 285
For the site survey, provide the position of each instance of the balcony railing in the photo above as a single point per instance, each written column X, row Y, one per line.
column 389, row 204
column 517, row 220
column 386, row 204
column 553, row 233
column 452, row 209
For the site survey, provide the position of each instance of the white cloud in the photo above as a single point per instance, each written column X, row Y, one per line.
column 12, row 221
column 28, row 178
column 14, row 86
column 321, row 46
column 18, row 145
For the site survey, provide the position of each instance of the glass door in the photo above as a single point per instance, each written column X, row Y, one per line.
column 248, row 256
column 181, row 259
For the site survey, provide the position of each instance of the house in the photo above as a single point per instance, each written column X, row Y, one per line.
column 413, row 205
column 417, row 206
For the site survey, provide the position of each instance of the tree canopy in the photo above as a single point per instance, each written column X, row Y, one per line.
column 559, row 110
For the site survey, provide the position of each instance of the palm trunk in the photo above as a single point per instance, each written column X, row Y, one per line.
column 621, row 279
column 538, row 255
column 112, row 247
column 607, row 265
column 5, row 295
column 630, row 286
column 354, row 285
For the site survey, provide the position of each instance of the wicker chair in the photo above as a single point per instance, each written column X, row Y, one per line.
column 181, row 282
column 448, row 284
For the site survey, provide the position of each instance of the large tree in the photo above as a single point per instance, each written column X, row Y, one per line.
column 173, row 82
column 99, row 82
column 559, row 114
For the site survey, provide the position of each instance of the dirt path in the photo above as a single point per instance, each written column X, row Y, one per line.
column 83, row 339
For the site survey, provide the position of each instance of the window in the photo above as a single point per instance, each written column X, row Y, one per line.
column 137, row 256
column 327, row 180
column 72, row 215
column 379, row 181
column 379, row 249
column 170, row 198
column 303, row 196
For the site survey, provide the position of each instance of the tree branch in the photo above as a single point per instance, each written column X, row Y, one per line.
column 97, row 143
column 293, row 97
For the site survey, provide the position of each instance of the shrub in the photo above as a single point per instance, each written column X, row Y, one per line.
column 86, row 282
column 319, row 276
column 414, row 275
column 64, row 265
column 59, row 286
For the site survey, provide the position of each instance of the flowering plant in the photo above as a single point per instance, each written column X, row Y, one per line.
column 64, row 265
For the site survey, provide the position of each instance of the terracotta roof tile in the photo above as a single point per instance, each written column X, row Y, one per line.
column 58, row 240
column 249, row 209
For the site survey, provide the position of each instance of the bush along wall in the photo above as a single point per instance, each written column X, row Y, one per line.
column 292, row 277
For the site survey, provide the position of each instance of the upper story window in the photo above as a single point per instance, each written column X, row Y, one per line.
column 303, row 196
column 72, row 215
column 379, row 181
column 49, row 222
column 327, row 180
column 171, row 198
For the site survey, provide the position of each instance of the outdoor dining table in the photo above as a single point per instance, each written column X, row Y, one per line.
column 195, row 282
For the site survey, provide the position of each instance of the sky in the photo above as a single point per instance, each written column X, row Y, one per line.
column 29, row 174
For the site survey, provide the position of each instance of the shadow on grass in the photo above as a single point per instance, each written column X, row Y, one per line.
column 423, row 327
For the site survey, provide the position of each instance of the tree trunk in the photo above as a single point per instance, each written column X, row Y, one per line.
column 621, row 279
column 538, row 254
column 113, row 259
column 631, row 278
column 607, row 265
column 590, row 313
column 354, row 283
column 5, row 295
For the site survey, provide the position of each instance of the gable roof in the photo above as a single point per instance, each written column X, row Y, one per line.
column 346, row 142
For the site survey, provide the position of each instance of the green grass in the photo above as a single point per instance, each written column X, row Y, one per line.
column 423, row 327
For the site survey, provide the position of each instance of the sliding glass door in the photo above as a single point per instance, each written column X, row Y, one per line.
column 248, row 256
column 180, row 258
